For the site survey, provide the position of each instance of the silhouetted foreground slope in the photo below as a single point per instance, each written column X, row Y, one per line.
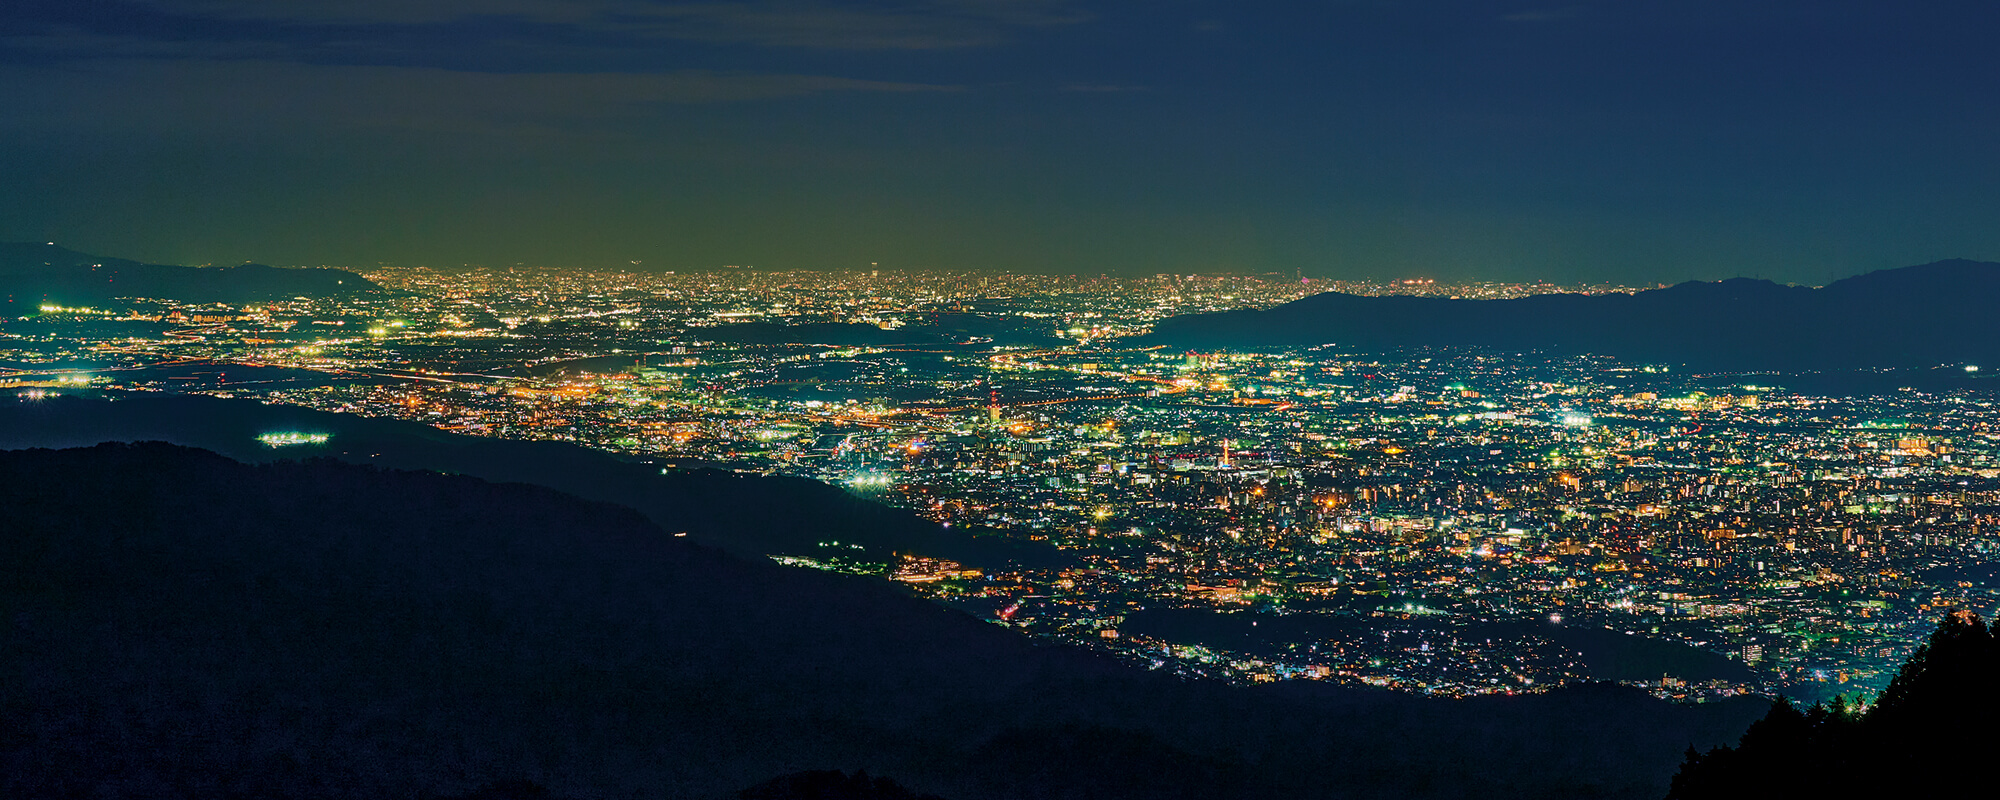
column 175, row 624
column 35, row 273
column 749, row 515
column 1911, row 317
column 830, row 785
column 1928, row 735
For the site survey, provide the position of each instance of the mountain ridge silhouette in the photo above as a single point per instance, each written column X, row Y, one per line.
column 1919, row 316
column 32, row 274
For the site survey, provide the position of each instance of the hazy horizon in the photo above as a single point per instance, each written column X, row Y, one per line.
column 644, row 267
column 1636, row 143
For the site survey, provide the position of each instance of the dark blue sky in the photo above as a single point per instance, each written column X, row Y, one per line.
column 1600, row 140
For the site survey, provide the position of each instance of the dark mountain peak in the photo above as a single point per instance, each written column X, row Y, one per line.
column 1951, row 263
column 1728, row 287
column 1938, row 277
column 33, row 258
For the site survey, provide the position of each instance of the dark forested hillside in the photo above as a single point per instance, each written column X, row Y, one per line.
column 750, row 515
column 1917, row 739
column 176, row 624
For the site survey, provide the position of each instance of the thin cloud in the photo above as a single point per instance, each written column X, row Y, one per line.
column 390, row 12
column 892, row 25
column 71, row 43
column 251, row 97
column 1103, row 88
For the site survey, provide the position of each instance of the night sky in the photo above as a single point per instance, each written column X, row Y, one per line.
column 1594, row 140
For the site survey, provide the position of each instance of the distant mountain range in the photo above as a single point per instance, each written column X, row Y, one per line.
column 1919, row 316
column 32, row 274
column 175, row 624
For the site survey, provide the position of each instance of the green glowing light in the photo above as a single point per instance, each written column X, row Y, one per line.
column 288, row 438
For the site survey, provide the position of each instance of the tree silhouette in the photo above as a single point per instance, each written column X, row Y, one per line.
column 1932, row 723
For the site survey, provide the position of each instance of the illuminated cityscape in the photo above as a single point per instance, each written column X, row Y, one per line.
column 1450, row 522
column 997, row 399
